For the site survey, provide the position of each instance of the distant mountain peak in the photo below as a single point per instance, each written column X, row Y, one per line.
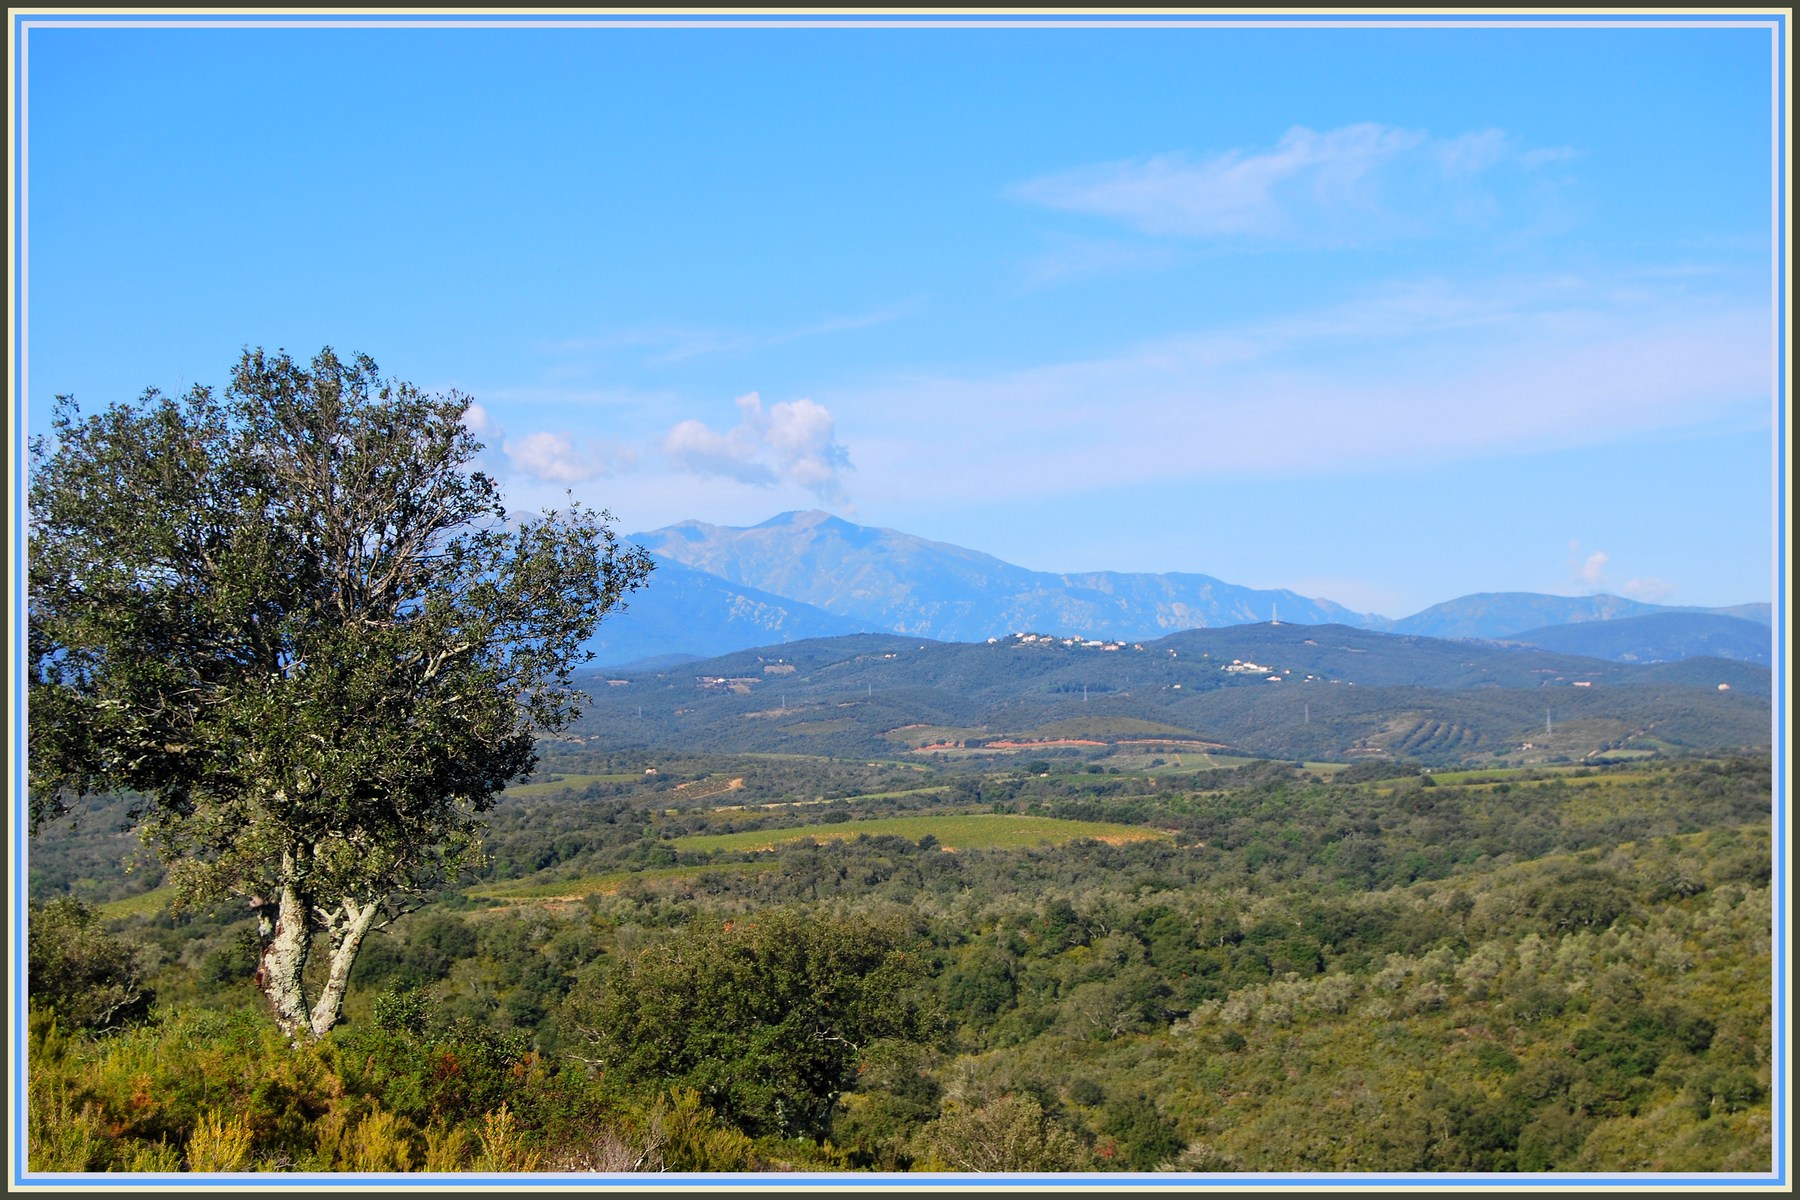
column 911, row 585
column 809, row 571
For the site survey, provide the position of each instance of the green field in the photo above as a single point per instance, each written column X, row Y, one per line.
column 144, row 904
column 978, row 831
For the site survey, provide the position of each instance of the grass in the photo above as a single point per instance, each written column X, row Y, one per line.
column 144, row 904
column 977, row 831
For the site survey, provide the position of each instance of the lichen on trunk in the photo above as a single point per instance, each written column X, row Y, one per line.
column 347, row 925
column 286, row 935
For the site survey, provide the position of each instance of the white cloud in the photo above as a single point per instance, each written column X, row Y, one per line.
column 554, row 457
column 1357, row 183
column 488, row 431
column 793, row 442
column 734, row 455
column 1593, row 569
column 480, row 422
column 1588, row 573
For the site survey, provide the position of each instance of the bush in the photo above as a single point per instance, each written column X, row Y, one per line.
column 1012, row 1133
column 90, row 978
column 765, row 1018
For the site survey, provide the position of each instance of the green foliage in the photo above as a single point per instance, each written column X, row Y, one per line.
column 690, row 1137
column 294, row 623
column 1575, row 978
column 766, row 1018
column 400, row 1012
column 89, row 978
column 1010, row 1133
column 220, row 1093
column 897, row 1093
column 1143, row 1137
column 453, row 1072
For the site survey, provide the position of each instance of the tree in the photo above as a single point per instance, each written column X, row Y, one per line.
column 768, row 1018
column 89, row 978
column 298, row 625
column 1010, row 1133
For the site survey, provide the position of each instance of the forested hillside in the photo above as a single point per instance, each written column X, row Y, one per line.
column 1269, row 690
column 1659, row 637
column 730, row 962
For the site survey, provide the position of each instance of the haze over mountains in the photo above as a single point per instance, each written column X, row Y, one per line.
column 804, row 575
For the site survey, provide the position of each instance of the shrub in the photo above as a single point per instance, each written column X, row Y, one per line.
column 89, row 977
column 766, row 1018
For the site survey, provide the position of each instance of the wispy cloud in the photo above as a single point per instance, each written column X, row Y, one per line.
column 478, row 421
column 488, row 431
column 1355, row 184
column 1427, row 372
column 666, row 344
column 793, row 442
column 841, row 324
column 1076, row 258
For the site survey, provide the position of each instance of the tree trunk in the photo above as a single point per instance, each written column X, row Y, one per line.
column 347, row 927
column 285, row 937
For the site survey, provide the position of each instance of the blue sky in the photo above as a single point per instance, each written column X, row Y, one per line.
column 1384, row 315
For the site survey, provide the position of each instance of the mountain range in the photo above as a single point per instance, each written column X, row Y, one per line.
column 803, row 575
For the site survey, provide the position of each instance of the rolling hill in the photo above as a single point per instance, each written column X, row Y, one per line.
column 1659, row 637
column 1511, row 614
column 1328, row 692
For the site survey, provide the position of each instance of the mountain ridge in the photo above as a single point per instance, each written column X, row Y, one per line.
column 912, row 585
column 809, row 573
